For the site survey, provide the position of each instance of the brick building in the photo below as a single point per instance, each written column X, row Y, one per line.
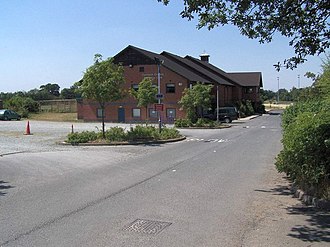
column 176, row 74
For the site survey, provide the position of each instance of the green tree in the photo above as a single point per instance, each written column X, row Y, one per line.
column 267, row 95
column 199, row 96
column 53, row 89
column 323, row 82
column 146, row 94
column 70, row 93
column 103, row 83
column 305, row 23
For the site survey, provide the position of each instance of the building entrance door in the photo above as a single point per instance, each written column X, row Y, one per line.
column 121, row 115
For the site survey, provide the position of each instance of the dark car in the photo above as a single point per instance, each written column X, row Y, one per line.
column 226, row 114
column 6, row 114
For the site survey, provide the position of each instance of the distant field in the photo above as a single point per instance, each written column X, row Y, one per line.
column 52, row 116
column 280, row 105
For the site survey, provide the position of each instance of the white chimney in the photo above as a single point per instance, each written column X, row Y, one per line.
column 205, row 57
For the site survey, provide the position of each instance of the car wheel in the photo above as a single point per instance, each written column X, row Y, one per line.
column 6, row 118
column 19, row 118
column 227, row 120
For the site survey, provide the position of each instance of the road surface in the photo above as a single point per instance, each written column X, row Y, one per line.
column 198, row 192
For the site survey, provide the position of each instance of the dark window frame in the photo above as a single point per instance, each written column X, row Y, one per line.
column 170, row 87
column 170, row 115
column 155, row 113
column 139, row 112
column 100, row 112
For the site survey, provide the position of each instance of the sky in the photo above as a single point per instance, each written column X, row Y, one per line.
column 47, row 41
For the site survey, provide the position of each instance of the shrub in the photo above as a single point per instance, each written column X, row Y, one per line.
column 22, row 105
column 139, row 133
column 116, row 134
column 169, row 133
column 290, row 114
column 83, row 137
column 305, row 157
column 182, row 123
column 245, row 108
column 205, row 122
column 143, row 133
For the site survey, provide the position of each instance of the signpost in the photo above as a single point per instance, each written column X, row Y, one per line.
column 159, row 107
column 159, row 95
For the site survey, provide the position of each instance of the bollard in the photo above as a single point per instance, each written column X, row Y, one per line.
column 72, row 129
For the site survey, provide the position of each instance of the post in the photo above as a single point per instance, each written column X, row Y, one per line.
column 217, row 103
column 278, row 90
column 298, row 81
column 159, row 62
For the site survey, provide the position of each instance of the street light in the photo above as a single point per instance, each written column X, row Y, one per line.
column 159, row 62
column 298, row 81
column 278, row 90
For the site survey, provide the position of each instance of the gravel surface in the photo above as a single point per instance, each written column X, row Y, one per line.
column 45, row 135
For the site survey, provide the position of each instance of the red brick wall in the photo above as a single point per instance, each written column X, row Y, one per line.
column 87, row 109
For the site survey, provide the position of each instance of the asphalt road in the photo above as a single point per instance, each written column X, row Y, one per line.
column 191, row 193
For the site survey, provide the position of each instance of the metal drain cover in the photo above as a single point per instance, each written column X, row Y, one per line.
column 150, row 227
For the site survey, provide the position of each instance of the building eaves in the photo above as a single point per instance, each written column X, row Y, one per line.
column 248, row 79
column 168, row 63
column 213, row 69
column 198, row 69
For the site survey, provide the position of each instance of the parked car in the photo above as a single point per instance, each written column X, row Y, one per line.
column 6, row 114
column 226, row 114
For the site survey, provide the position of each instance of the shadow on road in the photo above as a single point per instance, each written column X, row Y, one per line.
column 3, row 187
column 317, row 227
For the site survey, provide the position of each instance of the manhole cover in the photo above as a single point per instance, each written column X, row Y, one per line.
column 147, row 226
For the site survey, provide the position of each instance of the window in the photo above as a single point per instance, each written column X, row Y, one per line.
column 136, row 112
column 249, row 90
column 170, row 88
column 141, row 69
column 153, row 113
column 135, row 87
column 100, row 113
column 170, row 113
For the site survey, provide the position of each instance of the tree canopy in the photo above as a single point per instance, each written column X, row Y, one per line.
column 304, row 22
column 145, row 94
column 102, row 82
column 199, row 96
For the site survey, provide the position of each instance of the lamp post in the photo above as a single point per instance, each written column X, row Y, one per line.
column 159, row 62
column 278, row 90
column 217, row 103
column 298, row 81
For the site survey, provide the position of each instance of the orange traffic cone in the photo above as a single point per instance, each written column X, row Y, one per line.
column 27, row 132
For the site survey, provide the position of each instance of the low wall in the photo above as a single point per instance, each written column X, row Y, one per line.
column 65, row 105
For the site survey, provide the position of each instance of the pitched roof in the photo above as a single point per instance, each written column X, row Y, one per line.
column 213, row 77
column 248, row 79
column 168, row 63
column 192, row 68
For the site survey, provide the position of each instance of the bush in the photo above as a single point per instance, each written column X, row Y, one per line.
column 245, row 108
column 182, row 123
column 139, row 133
column 83, row 137
column 204, row 122
column 143, row 133
column 169, row 133
column 22, row 105
column 290, row 114
column 116, row 134
column 305, row 157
